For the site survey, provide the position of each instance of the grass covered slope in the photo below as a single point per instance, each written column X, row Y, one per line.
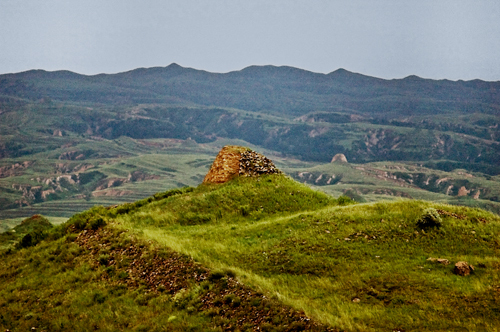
column 261, row 246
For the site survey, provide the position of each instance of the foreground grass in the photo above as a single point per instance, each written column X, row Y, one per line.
column 350, row 266
column 56, row 286
column 355, row 267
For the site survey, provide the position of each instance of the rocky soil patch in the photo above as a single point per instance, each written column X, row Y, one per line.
column 231, row 305
column 255, row 164
column 15, row 169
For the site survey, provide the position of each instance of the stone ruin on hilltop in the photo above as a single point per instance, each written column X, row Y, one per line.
column 235, row 161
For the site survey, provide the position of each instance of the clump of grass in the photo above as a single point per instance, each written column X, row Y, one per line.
column 430, row 218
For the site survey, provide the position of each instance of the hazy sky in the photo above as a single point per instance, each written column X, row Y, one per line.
column 385, row 38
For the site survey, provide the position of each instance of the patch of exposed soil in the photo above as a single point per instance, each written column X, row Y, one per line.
column 15, row 169
column 112, row 193
column 231, row 305
column 72, row 155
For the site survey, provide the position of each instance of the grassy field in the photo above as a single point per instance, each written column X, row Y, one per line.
column 346, row 266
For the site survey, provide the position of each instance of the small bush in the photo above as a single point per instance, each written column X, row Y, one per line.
column 96, row 223
column 216, row 275
column 99, row 298
column 430, row 219
column 344, row 200
column 228, row 298
column 71, row 237
column 297, row 326
column 32, row 239
column 245, row 210
column 217, row 301
column 103, row 259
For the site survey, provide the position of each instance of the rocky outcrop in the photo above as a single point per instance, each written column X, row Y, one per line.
column 463, row 269
column 233, row 161
column 112, row 193
column 476, row 195
column 57, row 132
column 463, row 191
column 339, row 158
column 71, row 168
column 141, row 176
column 15, row 169
column 32, row 193
column 110, row 182
column 72, row 155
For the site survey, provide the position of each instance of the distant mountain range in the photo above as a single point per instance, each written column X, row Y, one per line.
column 276, row 90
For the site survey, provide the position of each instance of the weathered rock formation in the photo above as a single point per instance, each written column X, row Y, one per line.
column 463, row 191
column 463, row 268
column 339, row 158
column 233, row 161
column 14, row 170
column 72, row 155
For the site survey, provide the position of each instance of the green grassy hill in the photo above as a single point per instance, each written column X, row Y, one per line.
column 266, row 253
column 69, row 142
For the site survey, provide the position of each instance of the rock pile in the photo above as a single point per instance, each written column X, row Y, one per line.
column 255, row 164
column 235, row 161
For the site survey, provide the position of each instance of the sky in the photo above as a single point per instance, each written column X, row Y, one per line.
column 439, row 39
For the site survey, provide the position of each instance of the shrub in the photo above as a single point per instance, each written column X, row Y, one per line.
column 103, row 259
column 344, row 200
column 32, row 239
column 96, row 222
column 216, row 275
column 429, row 219
column 98, row 297
column 245, row 210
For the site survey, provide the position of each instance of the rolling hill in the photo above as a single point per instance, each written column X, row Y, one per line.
column 256, row 253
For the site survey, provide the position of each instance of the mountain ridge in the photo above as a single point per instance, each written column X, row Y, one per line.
column 176, row 66
column 287, row 83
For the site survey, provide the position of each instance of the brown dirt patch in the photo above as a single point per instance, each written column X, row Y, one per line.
column 231, row 305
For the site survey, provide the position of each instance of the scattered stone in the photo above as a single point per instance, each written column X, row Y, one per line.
column 439, row 260
column 450, row 214
column 173, row 273
column 463, row 269
column 339, row 158
column 356, row 300
column 443, row 261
